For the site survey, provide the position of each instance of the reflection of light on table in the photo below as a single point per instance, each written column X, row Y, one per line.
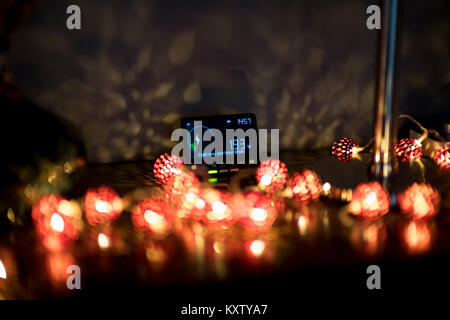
column 57, row 264
column 257, row 247
column 2, row 270
column 219, row 254
column 417, row 236
column 103, row 241
column 370, row 237
column 302, row 224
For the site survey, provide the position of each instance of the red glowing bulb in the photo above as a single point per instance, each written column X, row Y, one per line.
column 370, row 200
column 408, row 149
column 185, row 191
column 419, row 201
column 345, row 149
column 217, row 213
column 102, row 205
column 166, row 167
column 182, row 183
column 272, row 174
column 305, row 186
column 153, row 216
column 255, row 211
column 442, row 158
column 57, row 221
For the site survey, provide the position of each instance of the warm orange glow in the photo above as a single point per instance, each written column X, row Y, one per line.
column 102, row 205
column 417, row 236
column 305, row 185
column 153, row 216
column 255, row 211
column 185, row 190
column 370, row 200
column 369, row 236
column 156, row 221
column 155, row 254
column 218, row 213
column 218, row 247
column 419, row 201
column 326, row 187
column 266, row 180
column 2, row 270
column 57, row 221
column 272, row 174
column 302, row 225
column 57, row 264
column 258, row 214
column 257, row 247
column 103, row 241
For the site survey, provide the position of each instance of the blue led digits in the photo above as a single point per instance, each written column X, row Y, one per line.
column 245, row 121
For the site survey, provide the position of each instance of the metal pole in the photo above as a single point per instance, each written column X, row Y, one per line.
column 383, row 163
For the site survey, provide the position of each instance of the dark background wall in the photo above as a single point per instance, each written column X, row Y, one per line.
column 306, row 67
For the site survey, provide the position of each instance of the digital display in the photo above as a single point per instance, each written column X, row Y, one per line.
column 232, row 145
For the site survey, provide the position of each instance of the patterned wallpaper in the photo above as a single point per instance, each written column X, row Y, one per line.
column 136, row 67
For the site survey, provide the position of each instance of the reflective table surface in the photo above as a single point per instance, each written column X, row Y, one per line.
column 304, row 237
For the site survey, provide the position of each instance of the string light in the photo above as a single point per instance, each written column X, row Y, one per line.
column 57, row 221
column 180, row 184
column 255, row 211
column 305, row 186
column 218, row 214
column 370, row 200
column 408, row 149
column 102, row 205
column 419, row 201
column 345, row 149
column 167, row 166
column 272, row 175
column 153, row 216
column 442, row 158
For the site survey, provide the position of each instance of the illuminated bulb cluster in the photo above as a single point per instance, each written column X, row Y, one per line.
column 192, row 205
column 305, row 186
column 370, row 200
column 419, row 201
column 442, row 158
column 408, row 149
column 57, row 221
column 185, row 190
column 217, row 212
column 255, row 211
column 182, row 183
column 153, row 216
column 102, row 205
column 345, row 149
column 166, row 167
column 272, row 175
